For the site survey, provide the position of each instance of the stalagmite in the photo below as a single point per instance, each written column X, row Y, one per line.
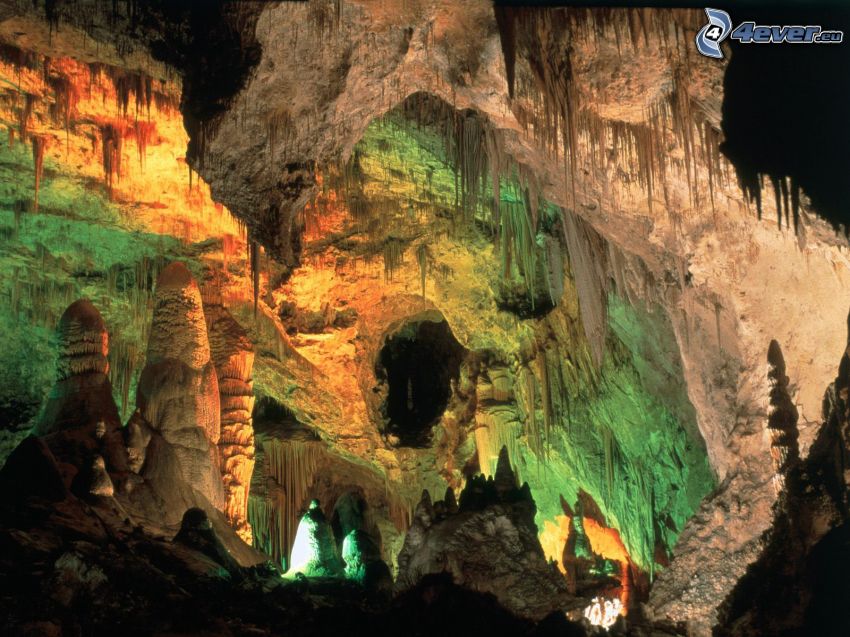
column 782, row 420
column 178, row 393
column 80, row 418
column 314, row 550
column 233, row 355
column 505, row 480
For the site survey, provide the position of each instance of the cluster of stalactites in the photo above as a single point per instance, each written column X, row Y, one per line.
column 291, row 465
column 553, row 110
column 489, row 188
column 65, row 81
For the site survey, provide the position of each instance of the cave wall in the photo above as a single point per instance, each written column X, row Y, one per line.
column 641, row 166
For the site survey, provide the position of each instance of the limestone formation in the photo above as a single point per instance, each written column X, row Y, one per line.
column 197, row 532
column 363, row 562
column 233, row 356
column 178, row 394
column 797, row 584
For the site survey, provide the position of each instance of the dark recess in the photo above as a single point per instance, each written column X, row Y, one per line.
column 213, row 45
column 785, row 110
column 418, row 364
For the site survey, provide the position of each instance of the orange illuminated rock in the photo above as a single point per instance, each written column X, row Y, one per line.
column 233, row 355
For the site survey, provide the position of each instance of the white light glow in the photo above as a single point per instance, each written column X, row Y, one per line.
column 603, row 612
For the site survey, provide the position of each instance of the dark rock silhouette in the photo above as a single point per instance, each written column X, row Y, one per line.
column 490, row 544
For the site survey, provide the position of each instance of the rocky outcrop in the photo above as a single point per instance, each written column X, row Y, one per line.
column 80, row 421
column 233, row 355
column 489, row 544
column 178, row 394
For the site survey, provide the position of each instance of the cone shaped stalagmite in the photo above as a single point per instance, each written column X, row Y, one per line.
column 178, row 389
column 314, row 552
column 233, row 355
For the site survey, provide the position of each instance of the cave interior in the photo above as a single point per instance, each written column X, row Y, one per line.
column 422, row 317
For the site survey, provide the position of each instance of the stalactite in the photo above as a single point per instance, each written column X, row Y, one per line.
column 587, row 263
column 293, row 465
column 65, row 99
column 393, row 256
column 608, row 443
column 545, row 393
column 422, row 259
column 112, row 140
column 143, row 132
column 534, row 437
column 38, row 145
column 24, row 116
column 254, row 256
column 279, row 127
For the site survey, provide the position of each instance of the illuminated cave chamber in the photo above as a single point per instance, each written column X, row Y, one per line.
column 418, row 363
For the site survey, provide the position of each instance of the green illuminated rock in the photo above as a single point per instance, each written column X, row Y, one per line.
column 314, row 551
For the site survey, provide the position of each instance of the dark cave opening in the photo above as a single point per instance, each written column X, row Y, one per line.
column 784, row 111
column 349, row 515
column 418, row 363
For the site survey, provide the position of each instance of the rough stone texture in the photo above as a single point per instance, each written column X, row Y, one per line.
column 197, row 532
column 233, row 356
column 489, row 545
column 178, row 393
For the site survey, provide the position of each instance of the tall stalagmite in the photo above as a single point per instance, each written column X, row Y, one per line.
column 178, row 389
column 81, row 420
column 233, row 356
